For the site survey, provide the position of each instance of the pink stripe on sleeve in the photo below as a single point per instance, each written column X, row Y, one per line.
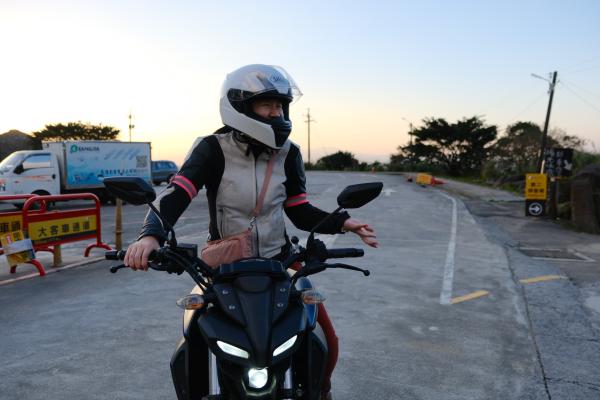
column 295, row 203
column 186, row 185
column 296, row 200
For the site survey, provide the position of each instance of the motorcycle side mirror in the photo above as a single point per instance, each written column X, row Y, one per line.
column 355, row 196
column 133, row 190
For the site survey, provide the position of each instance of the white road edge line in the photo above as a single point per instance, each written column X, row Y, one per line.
column 446, row 294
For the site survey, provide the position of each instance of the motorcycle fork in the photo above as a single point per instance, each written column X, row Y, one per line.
column 213, row 377
column 287, row 383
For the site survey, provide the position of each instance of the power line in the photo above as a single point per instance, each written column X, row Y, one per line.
column 581, row 88
column 498, row 103
column 588, row 68
column 537, row 100
column 578, row 65
column 581, row 98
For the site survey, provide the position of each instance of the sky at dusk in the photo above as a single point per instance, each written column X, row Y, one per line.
column 365, row 67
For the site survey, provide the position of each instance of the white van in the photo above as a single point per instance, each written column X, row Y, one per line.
column 73, row 167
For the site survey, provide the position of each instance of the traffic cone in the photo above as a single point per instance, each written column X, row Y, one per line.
column 436, row 181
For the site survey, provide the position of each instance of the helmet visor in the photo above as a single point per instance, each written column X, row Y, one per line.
column 254, row 80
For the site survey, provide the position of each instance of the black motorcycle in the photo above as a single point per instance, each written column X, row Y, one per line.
column 250, row 327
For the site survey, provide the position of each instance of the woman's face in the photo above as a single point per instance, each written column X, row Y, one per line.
column 267, row 108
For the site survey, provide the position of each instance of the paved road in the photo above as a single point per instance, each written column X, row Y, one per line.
column 404, row 331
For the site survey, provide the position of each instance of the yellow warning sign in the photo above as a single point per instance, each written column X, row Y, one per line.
column 536, row 187
column 18, row 250
column 10, row 223
column 63, row 228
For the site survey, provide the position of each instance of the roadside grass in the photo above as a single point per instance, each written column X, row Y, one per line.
column 513, row 187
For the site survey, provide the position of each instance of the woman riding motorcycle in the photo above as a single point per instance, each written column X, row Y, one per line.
column 231, row 164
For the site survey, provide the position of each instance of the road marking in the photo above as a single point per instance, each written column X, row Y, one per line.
column 470, row 296
column 446, row 294
column 388, row 192
column 542, row 278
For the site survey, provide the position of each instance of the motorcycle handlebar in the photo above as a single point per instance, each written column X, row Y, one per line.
column 119, row 255
column 165, row 259
column 115, row 255
column 345, row 253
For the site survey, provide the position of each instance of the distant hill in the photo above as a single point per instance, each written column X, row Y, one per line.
column 14, row 140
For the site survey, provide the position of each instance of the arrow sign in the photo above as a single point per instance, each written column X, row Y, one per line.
column 535, row 208
column 388, row 191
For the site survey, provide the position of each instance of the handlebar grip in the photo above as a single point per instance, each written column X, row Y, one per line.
column 115, row 254
column 345, row 253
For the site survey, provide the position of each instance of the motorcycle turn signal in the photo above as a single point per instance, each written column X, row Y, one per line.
column 312, row 297
column 191, row 302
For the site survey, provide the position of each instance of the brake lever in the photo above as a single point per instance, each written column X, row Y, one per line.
column 365, row 272
column 118, row 267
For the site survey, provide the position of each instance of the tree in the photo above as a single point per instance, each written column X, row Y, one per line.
column 517, row 152
column 458, row 148
column 14, row 141
column 342, row 160
column 76, row 131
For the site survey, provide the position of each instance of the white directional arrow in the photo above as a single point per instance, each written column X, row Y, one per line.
column 388, row 191
column 535, row 208
column 567, row 165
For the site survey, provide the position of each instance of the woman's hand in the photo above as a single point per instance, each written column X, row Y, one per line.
column 366, row 233
column 137, row 254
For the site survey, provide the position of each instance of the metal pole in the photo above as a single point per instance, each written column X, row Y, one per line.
column 545, row 133
column 57, row 256
column 553, row 212
column 308, row 121
column 131, row 126
column 119, row 224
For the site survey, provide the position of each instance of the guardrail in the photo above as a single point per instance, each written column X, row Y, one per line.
column 48, row 229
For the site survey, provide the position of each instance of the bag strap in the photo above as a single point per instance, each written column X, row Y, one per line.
column 263, row 192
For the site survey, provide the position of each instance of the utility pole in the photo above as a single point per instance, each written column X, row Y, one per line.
column 545, row 133
column 131, row 126
column 308, row 121
column 119, row 205
column 410, row 127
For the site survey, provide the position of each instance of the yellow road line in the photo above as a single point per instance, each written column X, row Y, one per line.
column 542, row 278
column 469, row 296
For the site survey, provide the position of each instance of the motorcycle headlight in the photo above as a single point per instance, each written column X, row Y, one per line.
column 285, row 346
column 257, row 378
column 233, row 350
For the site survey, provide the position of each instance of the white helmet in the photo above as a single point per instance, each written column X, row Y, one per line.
column 248, row 83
